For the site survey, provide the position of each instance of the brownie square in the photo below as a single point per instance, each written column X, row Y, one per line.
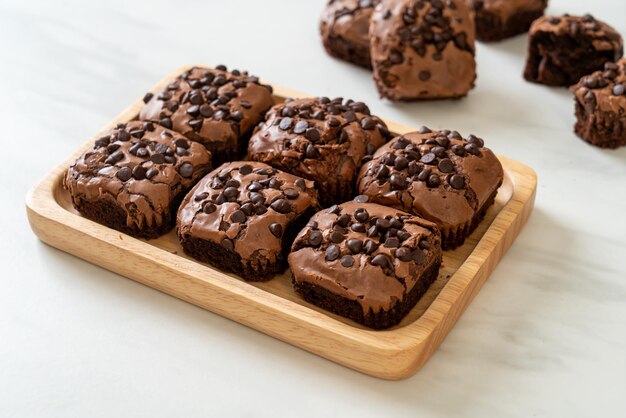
column 496, row 20
column 134, row 176
column 215, row 107
column 366, row 262
column 437, row 175
column 243, row 216
column 423, row 50
column 601, row 106
column 319, row 139
column 344, row 28
column 563, row 49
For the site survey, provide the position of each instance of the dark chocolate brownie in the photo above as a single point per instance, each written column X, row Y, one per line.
column 366, row 262
column 319, row 139
column 601, row 106
column 243, row 217
column 438, row 175
column 212, row 106
column 134, row 177
column 344, row 27
column 423, row 49
column 499, row 19
column 563, row 49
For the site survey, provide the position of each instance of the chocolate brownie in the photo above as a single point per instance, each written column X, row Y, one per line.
column 134, row 176
column 601, row 106
column 319, row 139
column 214, row 107
column 366, row 262
column 563, row 49
column 423, row 49
column 499, row 19
column 344, row 27
column 438, row 175
column 243, row 217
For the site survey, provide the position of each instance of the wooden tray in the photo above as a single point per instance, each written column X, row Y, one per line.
column 273, row 307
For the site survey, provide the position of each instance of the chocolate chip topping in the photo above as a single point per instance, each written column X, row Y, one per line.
column 319, row 139
column 392, row 237
column 416, row 42
column 249, row 203
column 446, row 180
column 214, row 107
column 135, row 164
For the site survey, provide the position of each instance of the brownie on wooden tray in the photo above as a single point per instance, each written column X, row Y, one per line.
column 214, row 107
column 438, row 175
column 601, row 106
column 496, row 20
column 319, row 139
column 134, row 176
column 366, row 262
column 344, row 28
column 563, row 49
column 243, row 216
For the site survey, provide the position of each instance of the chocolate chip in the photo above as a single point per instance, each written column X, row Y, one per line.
column 369, row 247
column 383, row 224
column 424, row 75
column 261, row 209
column 433, row 181
column 123, row 136
column 361, row 198
column 381, row 260
column 238, row 217
column 424, row 245
column 315, row 238
column 347, row 260
column 428, row 158
column 472, row 149
column 398, row 181
column 206, row 111
column 403, row 254
column 401, row 163
column 276, row 230
column 358, row 227
column 236, row 116
column 124, row 174
column 148, row 97
column 382, row 173
column 139, row 173
column 228, row 244
column 193, row 110
column 285, row 124
column 209, row 208
column 458, row 150
column 392, row 242
column 445, row 165
column 312, row 134
column 418, row 256
column 245, row 169
column 281, row 206
column 201, row 196
column 332, row 253
column 166, row 123
column 336, row 237
column 424, row 130
column 151, row 172
column 473, row 139
column 361, row 215
column 618, row 90
column 301, row 127
column 196, row 124
column 403, row 235
column 396, row 223
column 333, row 122
column 368, row 123
column 457, row 181
column 114, row 158
column 311, row 151
column 186, row 170
column 233, row 183
column 291, row 194
column 300, row 183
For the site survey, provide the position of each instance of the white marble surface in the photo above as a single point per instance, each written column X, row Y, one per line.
column 546, row 337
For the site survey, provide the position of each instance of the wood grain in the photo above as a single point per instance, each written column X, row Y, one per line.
column 273, row 307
